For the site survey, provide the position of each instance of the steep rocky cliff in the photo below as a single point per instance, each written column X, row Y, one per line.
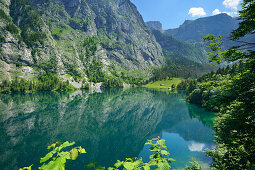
column 68, row 36
column 154, row 25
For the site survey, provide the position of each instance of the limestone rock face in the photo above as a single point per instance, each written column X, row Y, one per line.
column 154, row 25
column 70, row 34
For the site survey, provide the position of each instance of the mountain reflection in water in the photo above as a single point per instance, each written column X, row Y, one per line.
column 110, row 125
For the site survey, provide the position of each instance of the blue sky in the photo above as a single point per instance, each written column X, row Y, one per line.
column 172, row 13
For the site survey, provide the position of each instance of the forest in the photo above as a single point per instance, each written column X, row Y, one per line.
column 230, row 91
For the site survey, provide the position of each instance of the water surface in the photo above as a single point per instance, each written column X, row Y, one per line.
column 111, row 125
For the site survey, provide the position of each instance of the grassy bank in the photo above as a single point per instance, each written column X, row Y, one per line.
column 163, row 84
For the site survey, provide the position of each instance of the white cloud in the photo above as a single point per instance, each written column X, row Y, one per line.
column 196, row 147
column 197, row 12
column 216, row 12
column 231, row 3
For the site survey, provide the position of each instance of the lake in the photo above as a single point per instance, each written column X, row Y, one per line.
column 111, row 125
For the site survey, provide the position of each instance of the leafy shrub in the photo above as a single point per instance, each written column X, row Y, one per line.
column 56, row 159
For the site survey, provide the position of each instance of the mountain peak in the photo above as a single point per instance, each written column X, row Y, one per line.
column 154, row 25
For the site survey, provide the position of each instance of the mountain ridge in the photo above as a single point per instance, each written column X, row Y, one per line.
column 69, row 37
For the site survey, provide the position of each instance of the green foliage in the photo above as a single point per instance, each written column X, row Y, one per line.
column 31, row 23
column 112, row 82
column 95, row 72
column 2, row 40
column 32, row 38
column 233, row 92
column 48, row 66
column 159, row 160
column 26, row 168
column 209, row 89
column 90, row 44
column 181, row 59
column 247, row 24
column 235, row 124
column 46, row 81
column 56, row 159
column 12, row 28
column 4, row 16
column 194, row 165
column 216, row 47
column 243, row 51
column 171, row 82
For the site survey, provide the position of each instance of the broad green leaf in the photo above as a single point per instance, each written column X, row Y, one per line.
column 163, row 165
column 154, row 156
column 165, row 147
column 164, row 152
column 58, row 164
column 54, row 145
column 129, row 159
column 170, row 160
column 146, row 167
column 110, row 168
column 118, row 163
column 66, row 144
column 129, row 165
column 161, row 142
column 100, row 168
column 26, row 168
column 152, row 162
column 63, row 146
column 154, row 148
column 51, row 146
column 138, row 162
column 74, row 154
column 47, row 157
column 82, row 150
column 91, row 165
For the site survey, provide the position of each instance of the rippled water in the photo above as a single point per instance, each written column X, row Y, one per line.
column 111, row 125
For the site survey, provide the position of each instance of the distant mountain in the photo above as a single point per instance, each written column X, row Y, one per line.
column 191, row 52
column 194, row 30
column 154, row 25
column 182, row 58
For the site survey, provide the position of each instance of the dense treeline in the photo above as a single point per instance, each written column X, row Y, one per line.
column 178, row 66
column 44, row 82
column 231, row 92
column 209, row 89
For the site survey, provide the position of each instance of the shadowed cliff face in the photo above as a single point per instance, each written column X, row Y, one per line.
column 58, row 31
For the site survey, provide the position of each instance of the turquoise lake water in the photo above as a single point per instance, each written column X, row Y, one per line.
column 110, row 124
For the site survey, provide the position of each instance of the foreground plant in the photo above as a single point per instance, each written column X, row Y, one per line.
column 56, row 159
column 159, row 160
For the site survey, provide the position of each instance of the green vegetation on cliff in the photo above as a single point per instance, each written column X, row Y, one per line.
column 46, row 81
